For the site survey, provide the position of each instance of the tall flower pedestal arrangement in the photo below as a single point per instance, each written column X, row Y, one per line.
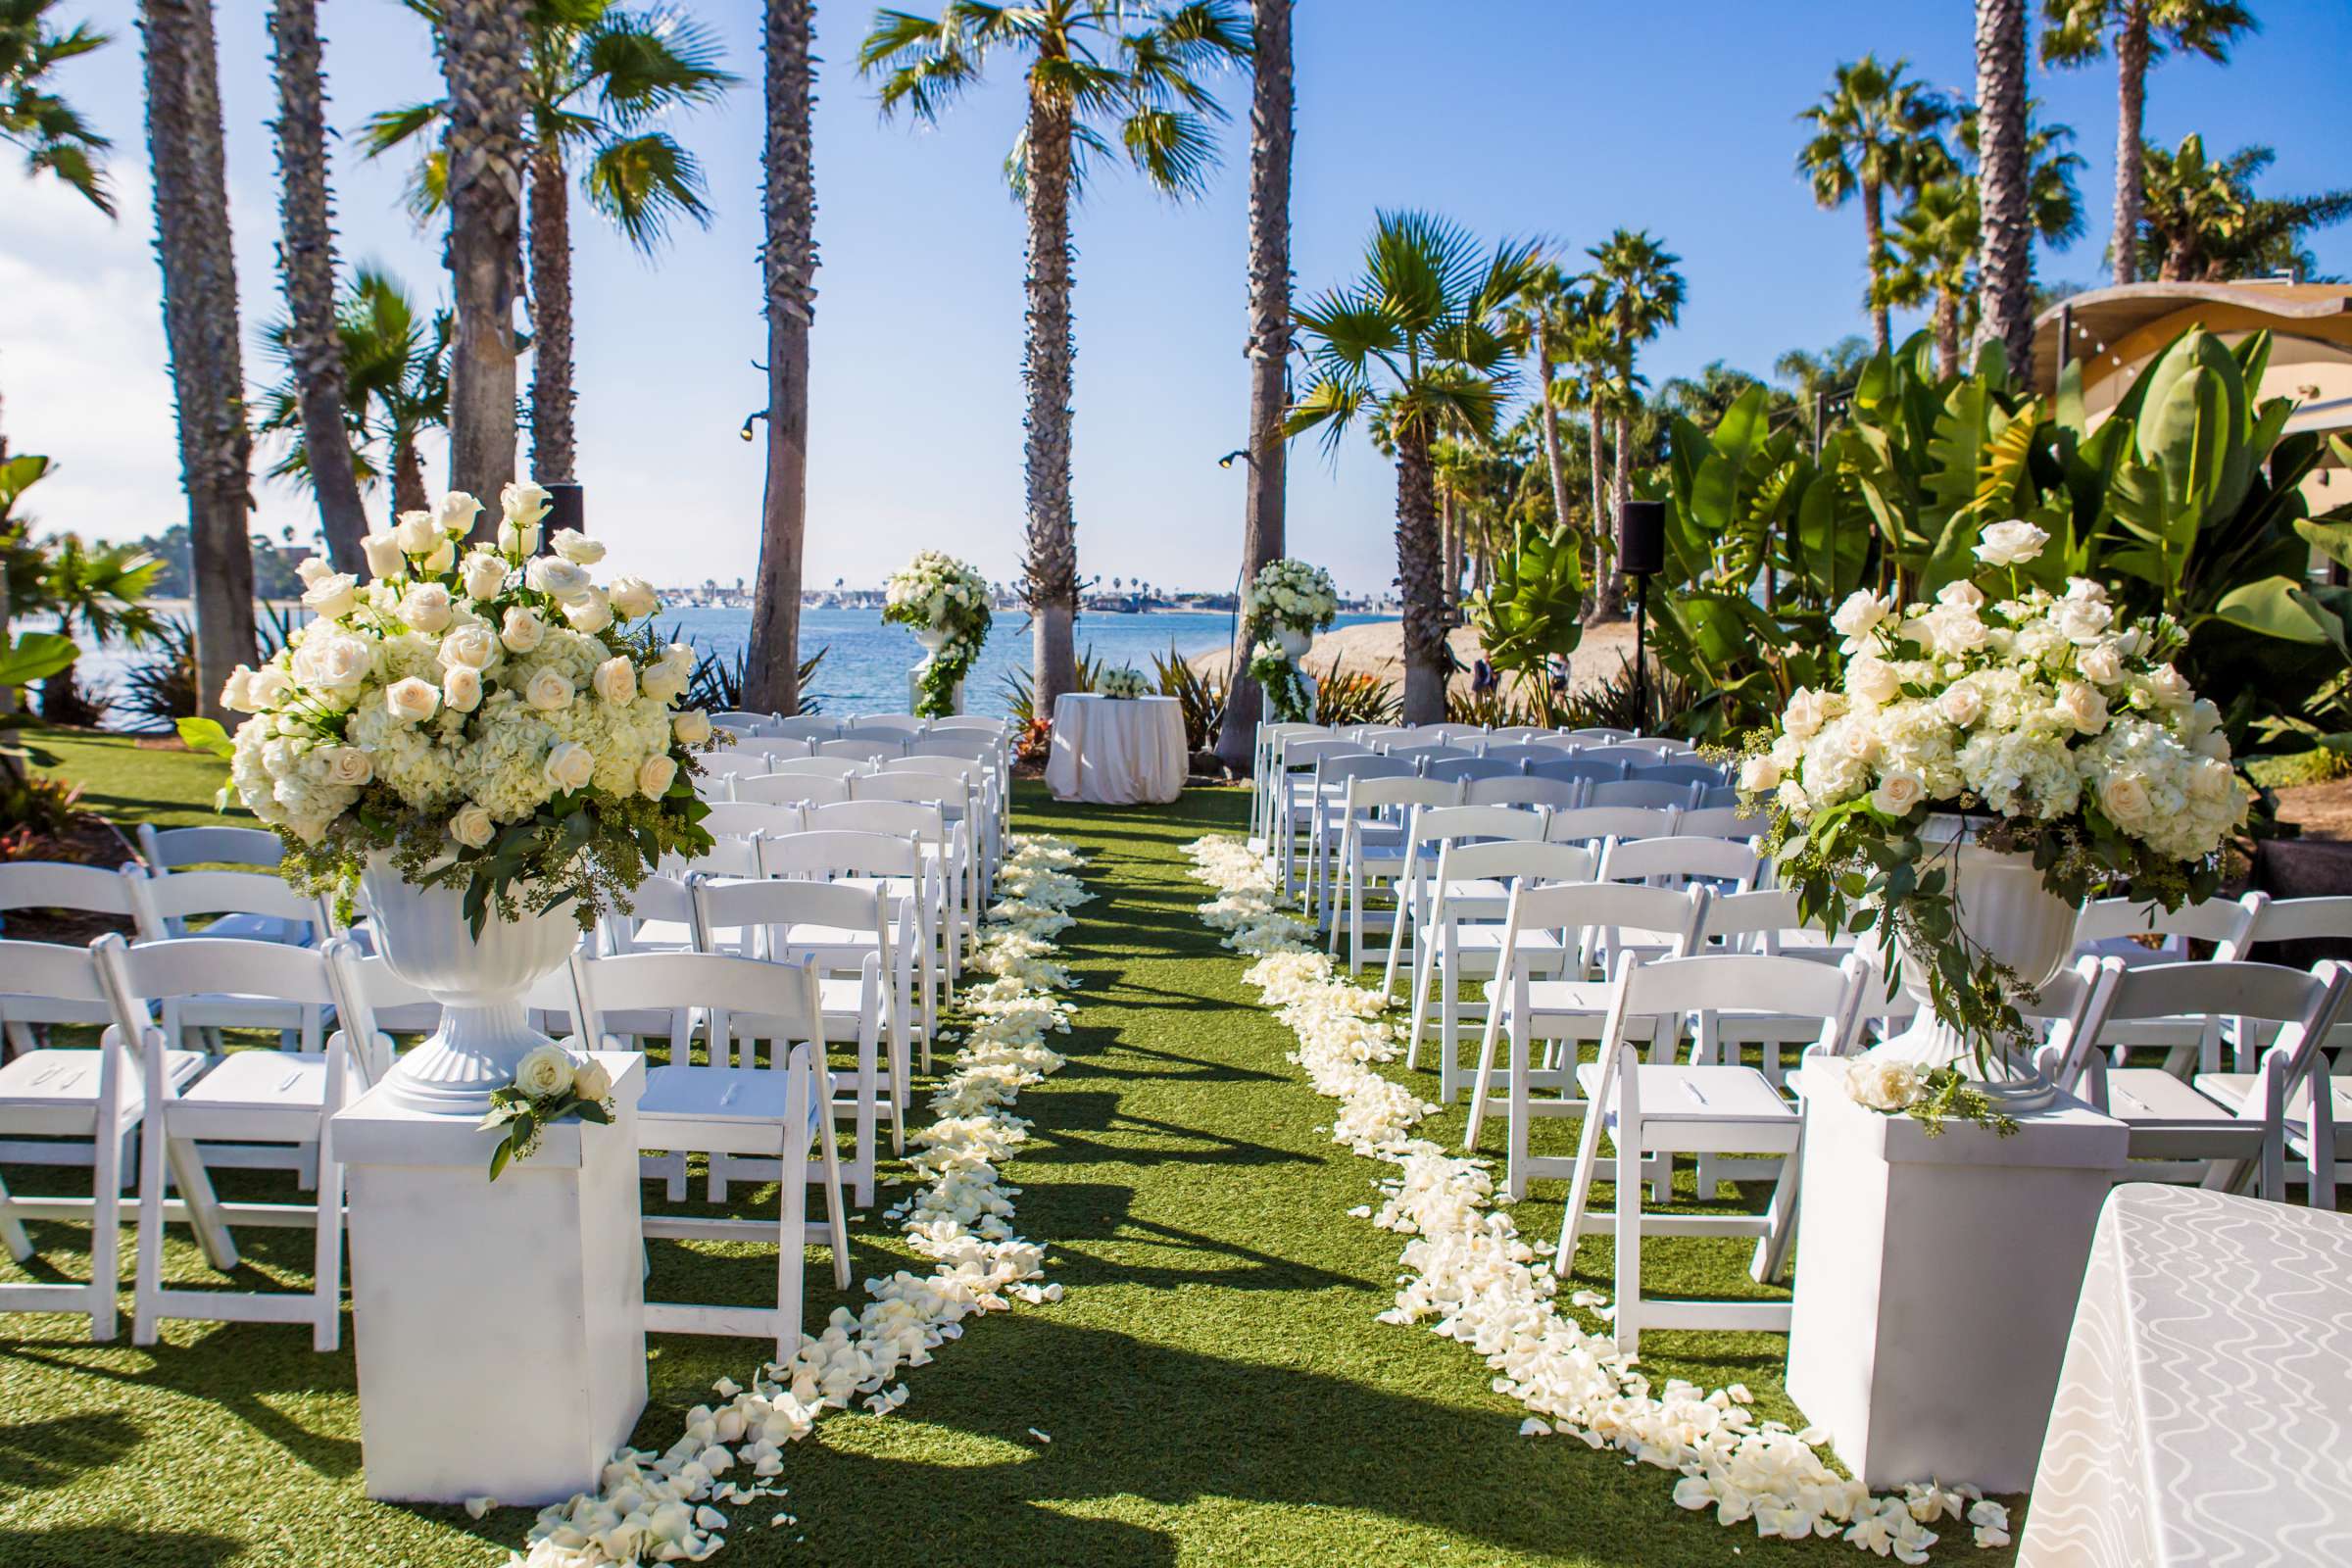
column 478, row 752
column 1288, row 603
column 501, row 1329
column 946, row 602
column 1936, row 1282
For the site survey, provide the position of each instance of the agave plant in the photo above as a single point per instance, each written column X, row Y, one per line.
column 1353, row 697
column 1201, row 698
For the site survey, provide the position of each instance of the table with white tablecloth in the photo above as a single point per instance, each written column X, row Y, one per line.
column 2205, row 1412
column 1116, row 751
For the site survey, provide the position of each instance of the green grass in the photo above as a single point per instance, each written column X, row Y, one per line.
column 1213, row 1382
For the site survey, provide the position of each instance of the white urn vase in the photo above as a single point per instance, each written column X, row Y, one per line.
column 479, row 981
column 2002, row 909
column 1292, row 642
column 933, row 638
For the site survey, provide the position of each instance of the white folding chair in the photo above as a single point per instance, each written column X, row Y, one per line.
column 1655, row 796
column 249, row 1096
column 164, row 851
column 1528, row 789
column 863, row 749
column 1703, row 774
column 1566, row 1013
column 961, row 808
column 1665, row 746
column 1371, row 849
column 88, row 1096
column 1299, row 800
column 899, row 726
column 274, row 913
column 1427, row 830
column 2113, row 928
column 660, row 918
column 1574, row 769
column 731, row 764
column 730, row 1105
column 1464, row 769
column 729, row 855
column 805, row 727
column 1653, row 1110
column 752, row 818
column 1473, row 885
column 744, row 719
column 1720, row 823
column 897, row 866
column 1676, row 859
column 1592, row 824
column 1595, row 735
column 24, row 1015
column 948, row 846
column 789, row 789
column 832, row 768
column 987, row 796
column 1518, row 752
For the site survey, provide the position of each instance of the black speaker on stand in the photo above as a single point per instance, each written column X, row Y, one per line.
column 1642, row 553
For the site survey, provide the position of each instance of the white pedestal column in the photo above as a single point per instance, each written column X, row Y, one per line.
column 1935, row 1283
column 499, row 1325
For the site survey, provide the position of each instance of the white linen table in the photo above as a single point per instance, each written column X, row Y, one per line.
column 1116, row 751
column 2205, row 1412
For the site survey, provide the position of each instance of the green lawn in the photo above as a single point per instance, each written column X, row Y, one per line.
column 1214, row 1384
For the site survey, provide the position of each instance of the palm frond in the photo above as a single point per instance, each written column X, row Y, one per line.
column 1422, row 268
column 388, row 128
column 1170, row 148
column 642, row 182
column 1331, row 404
column 648, row 64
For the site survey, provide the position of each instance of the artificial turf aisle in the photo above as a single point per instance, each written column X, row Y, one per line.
column 1213, row 1382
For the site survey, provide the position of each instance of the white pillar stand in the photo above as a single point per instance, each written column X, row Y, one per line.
column 499, row 1325
column 1935, row 1282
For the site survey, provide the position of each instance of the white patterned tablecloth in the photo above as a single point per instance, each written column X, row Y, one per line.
column 2205, row 1412
column 1116, row 751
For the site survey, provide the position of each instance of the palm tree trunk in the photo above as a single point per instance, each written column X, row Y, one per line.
column 1621, row 489
column 1449, row 551
column 1874, row 229
column 1419, row 580
column 407, row 477
column 1947, row 334
column 483, row 45
column 184, row 144
column 2005, row 259
column 2130, row 170
column 552, row 394
column 1264, row 515
column 1547, row 420
column 1599, row 607
column 306, row 258
column 788, row 263
column 1049, row 564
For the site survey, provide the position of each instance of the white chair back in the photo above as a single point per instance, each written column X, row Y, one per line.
column 746, row 819
column 790, row 789
column 1526, row 790
column 1591, row 822
column 863, row 748
column 1655, row 796
column 1677, row 860
column 171, row 848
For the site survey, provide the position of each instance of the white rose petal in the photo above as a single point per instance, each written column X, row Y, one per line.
column 545, row 1073
column 522, row 630
column 417, row 534
column 472, row 826
column 2011, row 544
column 461, row 687
column 548, row 690
column 484, row 574
column 577, row 548
column 569, row 766
column 332, row 597
column 454, row 513
column 616, row 681
column 413, row 701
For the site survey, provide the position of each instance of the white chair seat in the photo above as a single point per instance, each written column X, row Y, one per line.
column 1487, row 939
column 2235, row 1089
column 51, row 1090
column 260, row 928
column 261, row 1080
column 752, row 1095
column 2152, row 1097
column 1708, row 1095
column 1561, row 999
column 798, row 938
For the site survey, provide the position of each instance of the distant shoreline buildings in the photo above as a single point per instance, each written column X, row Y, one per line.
column 1120, row 599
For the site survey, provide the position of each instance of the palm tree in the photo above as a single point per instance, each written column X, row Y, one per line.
column 485, row 160
column 1638, row 294
column 1873, row 132
column 1543, row 322
column 1939, row 235
column 1263, row 511
column 306, row 261
column 788, row 275
column 2142, row 30
column 395, row 370
column 54, row 136
column 594, row 79
column 2203, row 221
column 1412, row 344
column 2004, row 190
column 184, row 145
column 1129, row 70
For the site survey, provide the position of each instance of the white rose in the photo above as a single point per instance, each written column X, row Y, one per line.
column 1859, row 741
column 548, row 690
column 692, row 727
column 236, row 692
column 2084, row 588
column 556, row 577
column 2082, row 706
column 590, row 1081
column 546, row 1073
column 1955, row 630
column 268, row 687
column 312, row 570
column 2101, row 662
column 462, row 688
column 1961, row 594
column 2011, row 544
column 1961, row 705
column 1807, row 712
column 2211, row 780
column 664, row 682
column 1758, row 774
column 655, row 777
column 633, row 598
column 439, row 558
column 472, row 826
column 2169, row 686
column 384, row 557
column 1882, row 1084
column 411, row 700
column 522, row 630
column 426, row 607
column 473, row 647
column 1898, row 792
column 2084, row 620
column 589, row 611
column 569, row 766
column 577, row 548
column 485, row 574
column 336, row 662
column 454, row 513
column 517, row 541
column 1873, row 679
column 616, row 681
column 332, row 597
column 349, row 766
column 415, row 533
column 2123, row 797
column 523, row 503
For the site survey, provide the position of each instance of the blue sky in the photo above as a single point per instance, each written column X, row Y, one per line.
column 1521, row 117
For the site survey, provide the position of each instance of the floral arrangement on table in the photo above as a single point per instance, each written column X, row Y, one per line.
column 1288, row 603
column 945, row 602
column 1125, row 683
column 551, row 1085
column 2048, row 724
column 478, row 713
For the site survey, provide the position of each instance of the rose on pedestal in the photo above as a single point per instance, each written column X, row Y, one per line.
column 945, row 602
column 1989, row 760
column 477, row 747
column 1288, row 603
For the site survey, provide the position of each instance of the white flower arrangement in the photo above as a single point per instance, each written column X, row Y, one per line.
column 551, row 1085
column 1286, row 595
column 480, row 713
column 1125, row 683
column 1468, row 1271
column 936, row 591
column 2063, row 731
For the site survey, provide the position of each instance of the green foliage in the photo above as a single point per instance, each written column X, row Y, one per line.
column 55, row 139
column 717, row 682
column 1200, row 696
column 1531, row 612
column 1353, row 697
column 161, row 688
